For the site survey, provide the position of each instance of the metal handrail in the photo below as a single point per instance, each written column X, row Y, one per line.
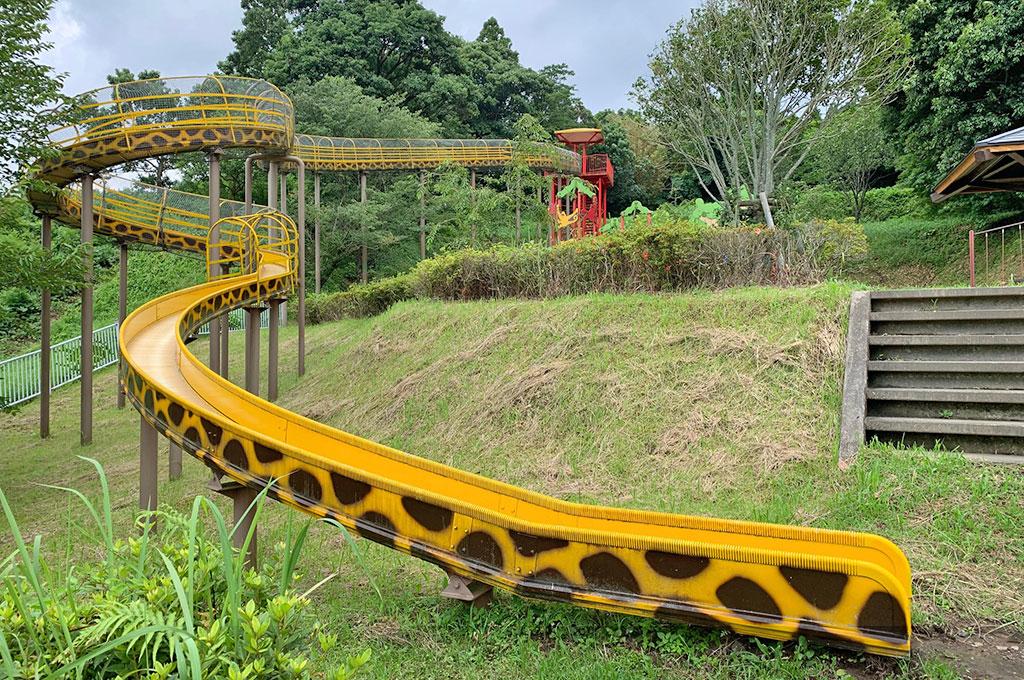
column 1016, row 275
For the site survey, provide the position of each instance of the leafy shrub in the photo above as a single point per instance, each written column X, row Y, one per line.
column 359, row 300
column 170, row 603
column 817, row 203
column 662, row 257
column 890, row 203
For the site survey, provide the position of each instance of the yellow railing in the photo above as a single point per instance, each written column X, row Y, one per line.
column 244, row 243
column 121, row 198
column 347, row 153
column 162, row 104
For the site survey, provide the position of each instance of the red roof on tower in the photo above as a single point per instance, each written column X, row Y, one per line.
column 580, row 136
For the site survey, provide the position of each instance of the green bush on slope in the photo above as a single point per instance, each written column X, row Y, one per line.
column 662, row 257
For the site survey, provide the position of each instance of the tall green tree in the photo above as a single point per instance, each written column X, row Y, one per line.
column 737, row 86
column 29, row 89
column 264, row 24
column 966, row 82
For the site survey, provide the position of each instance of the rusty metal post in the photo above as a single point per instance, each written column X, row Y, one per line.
column 85, row 423
column 316, row 232
column 363, row 257
column 147, row 465
column 272, row 349
column 423, row 215
column 44, row 342
column 214, row 254
column 122, row 304
column 970, row 255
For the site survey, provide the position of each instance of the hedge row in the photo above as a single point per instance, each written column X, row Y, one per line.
column 668, row 257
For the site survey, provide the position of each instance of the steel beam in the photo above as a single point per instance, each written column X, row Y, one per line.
column 85, row 422
column 44, row 342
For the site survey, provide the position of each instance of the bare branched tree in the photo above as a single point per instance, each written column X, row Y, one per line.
column 744, row 89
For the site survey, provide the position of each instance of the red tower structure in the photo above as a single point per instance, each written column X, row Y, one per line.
column 590, row 213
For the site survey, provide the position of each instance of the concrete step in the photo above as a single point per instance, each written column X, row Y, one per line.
column 940, row 293
column 945, row 340
column 949, row 315
column 947, row 366
column 959, row 410
column 946, row 352
column 946, row 323
column 946, row 395
column 976, row 447
column 947, row 299
column 945, row 380
column 941, row 426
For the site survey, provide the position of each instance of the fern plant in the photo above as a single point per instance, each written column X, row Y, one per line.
column 171, row 602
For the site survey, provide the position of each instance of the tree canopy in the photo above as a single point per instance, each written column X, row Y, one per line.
column 397, row 50
column 29, row 89
column 965, row 83
column 739, row 87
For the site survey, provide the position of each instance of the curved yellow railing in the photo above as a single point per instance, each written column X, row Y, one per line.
column 850, row 589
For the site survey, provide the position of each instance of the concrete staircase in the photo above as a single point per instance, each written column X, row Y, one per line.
column 940, row 366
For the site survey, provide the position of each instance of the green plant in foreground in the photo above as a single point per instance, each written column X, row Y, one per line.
column 170, row 603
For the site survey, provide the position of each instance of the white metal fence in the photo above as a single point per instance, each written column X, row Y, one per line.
column 19, row 376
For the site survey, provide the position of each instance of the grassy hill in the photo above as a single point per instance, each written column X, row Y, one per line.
column 709, row 403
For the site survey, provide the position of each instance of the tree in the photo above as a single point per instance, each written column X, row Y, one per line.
column 736, row 87
column 521, row 182
column 30, row 92
column 398, row 50
column 965, row 83
column 264, row 23
column 852, row 154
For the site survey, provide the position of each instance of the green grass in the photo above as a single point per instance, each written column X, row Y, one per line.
column 709, row 403
column 932, row 252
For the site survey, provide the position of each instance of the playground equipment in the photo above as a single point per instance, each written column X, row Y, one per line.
column 597, row 171
column 848, row 589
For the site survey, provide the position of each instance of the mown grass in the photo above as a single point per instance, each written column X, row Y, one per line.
column 710, row 403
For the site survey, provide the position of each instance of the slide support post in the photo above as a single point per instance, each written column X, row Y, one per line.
column 316, row 232
column 273, row 334
column 363, row 259
column 214, row 250
column 252, row 350
column 122, row 304
column 147, row 465
column 173, row 460
column 85, row 424
column 423, row 214
column 44, row 343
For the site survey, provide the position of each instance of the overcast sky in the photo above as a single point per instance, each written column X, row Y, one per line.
column 606, row 42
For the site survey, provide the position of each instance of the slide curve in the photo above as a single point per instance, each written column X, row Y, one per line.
column 847, row 589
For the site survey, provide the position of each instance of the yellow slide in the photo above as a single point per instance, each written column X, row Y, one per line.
column 849, row 589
